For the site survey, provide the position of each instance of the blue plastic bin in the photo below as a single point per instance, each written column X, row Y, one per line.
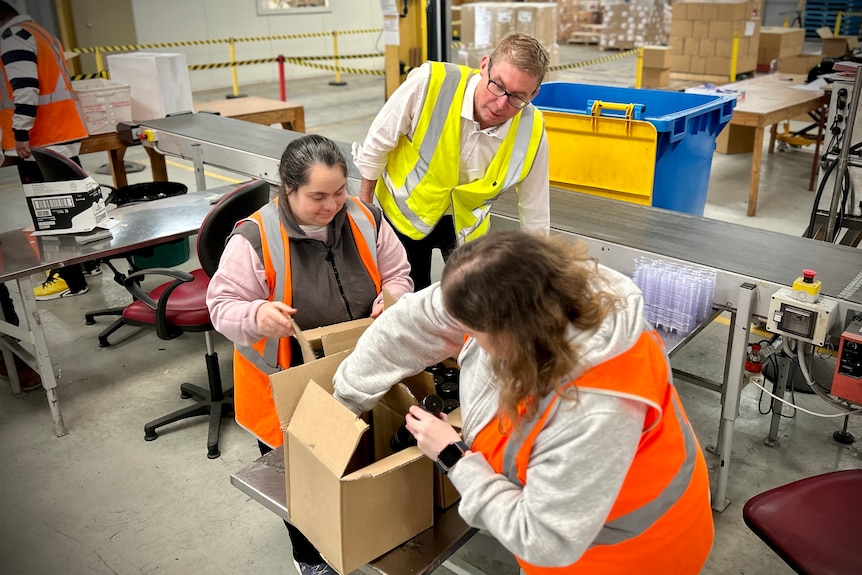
column 687, row 126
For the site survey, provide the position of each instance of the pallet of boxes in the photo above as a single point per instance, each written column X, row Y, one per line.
column 579, row 21
column 628, row 24
column 483, row 25
column 702, row 37
column 655, row 72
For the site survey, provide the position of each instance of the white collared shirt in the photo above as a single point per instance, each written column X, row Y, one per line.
column 400, row 115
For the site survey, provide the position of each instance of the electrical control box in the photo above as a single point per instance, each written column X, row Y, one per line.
column 847, row 381
column 804, row 320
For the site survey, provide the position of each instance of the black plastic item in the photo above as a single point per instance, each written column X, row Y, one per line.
column 403, row 439
column 145, row 192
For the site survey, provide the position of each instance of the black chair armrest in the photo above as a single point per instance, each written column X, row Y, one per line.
column 131, row 283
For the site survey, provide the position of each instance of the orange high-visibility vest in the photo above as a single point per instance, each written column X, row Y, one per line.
column 254, row 407
column 57, row 118
column 661, row 521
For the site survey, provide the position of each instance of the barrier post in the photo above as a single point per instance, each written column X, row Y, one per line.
column 734, row 56
column 282, row 89
column 100, row 66
column 235, row 93
column 838, row 18
column 639, row 73
column 337, row 81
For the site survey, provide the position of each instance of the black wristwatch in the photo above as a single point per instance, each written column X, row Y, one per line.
column 451, row 455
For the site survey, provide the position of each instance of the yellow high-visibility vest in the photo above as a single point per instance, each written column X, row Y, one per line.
column 420, row 181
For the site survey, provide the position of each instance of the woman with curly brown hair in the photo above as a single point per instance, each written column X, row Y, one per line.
column 576, row 452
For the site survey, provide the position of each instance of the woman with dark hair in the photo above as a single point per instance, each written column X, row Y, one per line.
column 575, row 452
column 314, row 256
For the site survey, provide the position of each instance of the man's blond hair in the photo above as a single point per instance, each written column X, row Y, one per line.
column 524, row 52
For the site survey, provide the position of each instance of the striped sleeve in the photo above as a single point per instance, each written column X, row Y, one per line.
column 19, row 55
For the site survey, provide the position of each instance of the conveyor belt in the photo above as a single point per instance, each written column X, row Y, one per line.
column 251, row 149
column 758, row 255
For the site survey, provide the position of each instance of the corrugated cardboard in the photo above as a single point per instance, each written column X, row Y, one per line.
column 777, row 42
column 735, row 140
column 799, row 64
column 836, row 46
column 655, row 78
column 330, row 339
column 341, row 477
column 656, row 57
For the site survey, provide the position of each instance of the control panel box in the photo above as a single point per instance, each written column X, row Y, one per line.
column 847, row 381
column 804, row 320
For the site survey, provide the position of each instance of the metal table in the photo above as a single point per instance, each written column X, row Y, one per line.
column 22, row 254
column 263, row 481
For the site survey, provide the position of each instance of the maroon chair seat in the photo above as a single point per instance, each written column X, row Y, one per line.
column 814, row 524
column 186, row 307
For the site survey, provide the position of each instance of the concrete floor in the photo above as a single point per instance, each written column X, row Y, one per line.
column 102, row 500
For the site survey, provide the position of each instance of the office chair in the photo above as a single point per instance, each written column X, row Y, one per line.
column 179, row 306
column 813, row 524
column 57, row 168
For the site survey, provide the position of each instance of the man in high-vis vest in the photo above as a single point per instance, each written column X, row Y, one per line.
column 450, row 141
column 38, row 108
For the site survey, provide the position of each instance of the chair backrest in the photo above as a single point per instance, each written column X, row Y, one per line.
column 219, row 222
column 57, row 167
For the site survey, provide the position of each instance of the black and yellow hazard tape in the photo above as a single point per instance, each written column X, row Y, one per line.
column 102, row 74
column 132, row 47
column 593, row 62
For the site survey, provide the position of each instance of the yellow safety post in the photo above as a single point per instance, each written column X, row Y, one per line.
column 235, row 93
column 337, row 81
column 787, row 21
column 838, row 19
column 100, row 66
column 639, row 74
column 734, row 56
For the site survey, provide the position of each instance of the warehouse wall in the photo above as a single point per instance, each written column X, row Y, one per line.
column 175, row 20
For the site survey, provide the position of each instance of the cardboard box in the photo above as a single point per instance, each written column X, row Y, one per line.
column 655, row 78
column 777, row 42
column 346, row 491
column 103, row 104
column 159, row 82
column 799, row 64
column 697, row 65
column 735, row 140
column 331, row 339
column 719, row 29
column 836, row 46
column 656, row 57
column 69, row 207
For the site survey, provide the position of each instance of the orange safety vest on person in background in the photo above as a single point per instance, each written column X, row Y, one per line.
column 57, row 118
column 254, row 407
column 661, row 521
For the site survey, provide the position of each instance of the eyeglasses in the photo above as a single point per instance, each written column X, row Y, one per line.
column 498, row 90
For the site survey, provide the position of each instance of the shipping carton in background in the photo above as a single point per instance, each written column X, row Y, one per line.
column 69, row 207
column 103, row 104
column 346, row 491
column 159, row 82
column 735, row 140
column 836, row 46
column 799, row 64
column 777, row 42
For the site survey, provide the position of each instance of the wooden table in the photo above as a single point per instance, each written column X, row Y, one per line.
column 768, row 100
column 259, row 111
column 116, row 149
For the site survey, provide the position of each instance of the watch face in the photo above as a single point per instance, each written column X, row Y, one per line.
column 450, row 456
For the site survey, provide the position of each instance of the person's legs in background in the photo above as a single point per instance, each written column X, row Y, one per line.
column 419, row 252
column 61, row 282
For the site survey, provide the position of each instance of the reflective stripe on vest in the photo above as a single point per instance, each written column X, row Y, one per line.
column 272, row 237
column 420, row 181
column 637, row 521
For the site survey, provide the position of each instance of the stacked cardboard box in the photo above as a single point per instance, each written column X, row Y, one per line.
column 777, row 42
column 799, row 64
column 483, row 25
column 836, row 46
column 702, row 34
column 656, row 67
column 628, row 24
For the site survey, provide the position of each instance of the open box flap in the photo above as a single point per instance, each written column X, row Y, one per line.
column 327, row 428
column 289, row 385
column 386, row 465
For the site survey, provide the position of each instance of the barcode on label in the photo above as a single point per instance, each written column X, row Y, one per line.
column 53, row 203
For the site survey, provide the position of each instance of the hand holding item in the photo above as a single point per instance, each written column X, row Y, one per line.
column 273, row 319
column 432, row 432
